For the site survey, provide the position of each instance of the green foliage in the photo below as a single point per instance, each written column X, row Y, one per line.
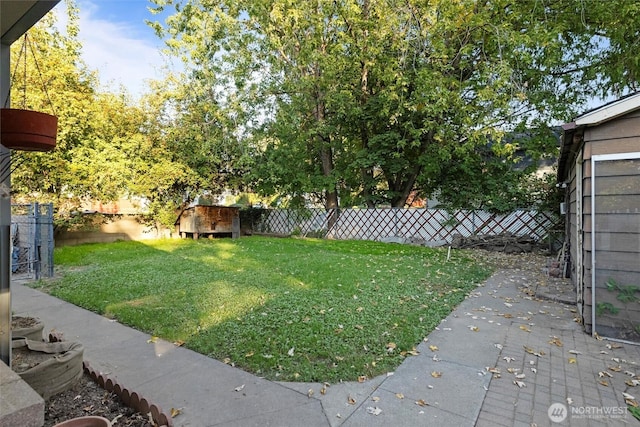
column 371, row 101
column 250, row 301
column 606, row 307
column 626, row 293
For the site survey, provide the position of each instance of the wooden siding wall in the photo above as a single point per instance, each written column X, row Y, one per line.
column 209, row 220
column 617, row 231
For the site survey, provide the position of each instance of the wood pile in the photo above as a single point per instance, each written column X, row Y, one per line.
column 504, row 242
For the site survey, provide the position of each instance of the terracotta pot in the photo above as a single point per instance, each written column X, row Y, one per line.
column 28, row 130
column 85, row 422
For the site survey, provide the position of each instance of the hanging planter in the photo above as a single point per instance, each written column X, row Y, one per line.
column 28, row 130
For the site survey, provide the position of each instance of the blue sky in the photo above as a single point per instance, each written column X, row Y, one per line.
column 117, row 42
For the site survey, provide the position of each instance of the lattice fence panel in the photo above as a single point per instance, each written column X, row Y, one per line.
column 423, row 224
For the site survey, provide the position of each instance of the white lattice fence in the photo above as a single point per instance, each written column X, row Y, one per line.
column 424, row 224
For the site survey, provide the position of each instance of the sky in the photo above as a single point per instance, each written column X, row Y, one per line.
column 117, row 42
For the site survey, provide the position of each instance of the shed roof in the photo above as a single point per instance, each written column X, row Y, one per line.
column 572, row 132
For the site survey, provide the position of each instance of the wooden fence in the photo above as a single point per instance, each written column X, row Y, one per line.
column 422, row 225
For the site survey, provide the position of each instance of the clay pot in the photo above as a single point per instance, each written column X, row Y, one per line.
column 28, row 130
column 88, row 421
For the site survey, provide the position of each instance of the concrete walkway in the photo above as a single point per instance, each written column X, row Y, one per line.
column 503, row 357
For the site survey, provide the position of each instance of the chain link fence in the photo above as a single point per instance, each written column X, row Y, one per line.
column 32, row 241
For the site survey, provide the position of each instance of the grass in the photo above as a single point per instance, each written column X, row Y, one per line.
column 286, row 309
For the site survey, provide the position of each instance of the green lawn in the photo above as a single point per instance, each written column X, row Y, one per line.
column 286, row 309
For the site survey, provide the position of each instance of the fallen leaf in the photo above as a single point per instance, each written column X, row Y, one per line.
column 574, row 352
column 613, row 346
column 152, row 340
column 556, row 341
column 507, row 316
column 239, row 388
column 421, row 402
column 436, row 374
column 178, row 343
column 604, row 383
column 390, row 347
column 351, row 400
column 400, row 395
column 251, row 353
column 290, row 352
column 573, row 360
column 520, row 376
column 433, row 348
column 362, row 378
column 323, row 390
column 473, row 328
column 520, row 384
column 412, row 352
column 374, row 410
column 603, row 374
column 632, row 383
column 615, row 368
column 524, row 328
column 509, row 359
column 310, row 392
column 569, row 401
column 375, row 399
column 493, row 370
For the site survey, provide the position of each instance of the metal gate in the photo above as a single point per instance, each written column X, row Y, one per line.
column 615, row 243
column 32, row 241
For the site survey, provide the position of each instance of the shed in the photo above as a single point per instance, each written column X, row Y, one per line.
column 600, row 168
column 210, row 221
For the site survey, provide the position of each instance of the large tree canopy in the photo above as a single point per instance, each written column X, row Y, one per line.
column 366, row 101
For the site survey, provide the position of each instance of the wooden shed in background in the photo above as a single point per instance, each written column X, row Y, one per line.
column 600, row 168
column 211, row 221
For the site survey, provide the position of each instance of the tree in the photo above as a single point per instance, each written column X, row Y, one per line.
column 106, row 147
column 367, row 101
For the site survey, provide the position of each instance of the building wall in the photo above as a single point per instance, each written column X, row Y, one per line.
column 617, row 225
column 208, row 220
column 124, row 228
